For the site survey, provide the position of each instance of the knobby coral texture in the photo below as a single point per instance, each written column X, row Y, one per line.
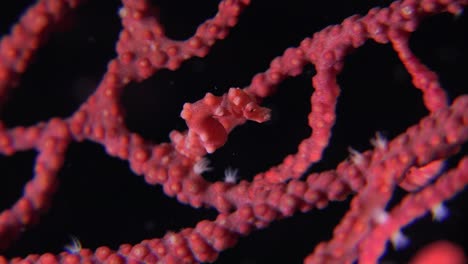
column 233, row 131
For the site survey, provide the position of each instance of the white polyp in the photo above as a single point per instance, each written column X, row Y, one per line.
column 123, row 12
column 74, row 247
column 355, row 156
column 439, row 212
column 172, row 238
column 380, row 216
column 399, row 241
column 230, row 175
column 202, row 166
column 379, row 142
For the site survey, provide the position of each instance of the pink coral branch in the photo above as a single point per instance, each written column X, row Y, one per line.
column 411, row 160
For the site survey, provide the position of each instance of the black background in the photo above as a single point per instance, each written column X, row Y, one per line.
column 103, row 203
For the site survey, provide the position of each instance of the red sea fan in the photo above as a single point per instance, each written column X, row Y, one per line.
column 100, row 200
